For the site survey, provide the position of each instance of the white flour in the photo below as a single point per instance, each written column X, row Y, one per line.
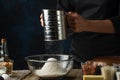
column 51, row 69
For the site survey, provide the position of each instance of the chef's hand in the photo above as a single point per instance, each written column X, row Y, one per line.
column 76, row 22
column 79, row 24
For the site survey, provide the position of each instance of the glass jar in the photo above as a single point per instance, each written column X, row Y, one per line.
column 8, row 66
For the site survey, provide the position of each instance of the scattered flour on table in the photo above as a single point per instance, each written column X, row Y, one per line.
column 51, row 69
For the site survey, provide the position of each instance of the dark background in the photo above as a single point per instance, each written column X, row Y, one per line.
column 19, row 23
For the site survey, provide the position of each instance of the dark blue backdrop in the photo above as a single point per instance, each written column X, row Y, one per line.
column 19, row 21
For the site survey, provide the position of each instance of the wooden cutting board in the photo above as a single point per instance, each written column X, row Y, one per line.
column 20, row 74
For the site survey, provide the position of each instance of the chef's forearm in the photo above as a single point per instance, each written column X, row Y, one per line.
column 100, row 26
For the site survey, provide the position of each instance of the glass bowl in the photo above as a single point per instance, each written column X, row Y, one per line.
column 50, row 66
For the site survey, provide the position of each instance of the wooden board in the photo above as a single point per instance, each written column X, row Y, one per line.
column 20, row 74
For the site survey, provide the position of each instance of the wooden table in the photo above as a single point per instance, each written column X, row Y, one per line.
column 75, row 74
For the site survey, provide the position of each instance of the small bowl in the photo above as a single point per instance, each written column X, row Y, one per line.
column 49, row 66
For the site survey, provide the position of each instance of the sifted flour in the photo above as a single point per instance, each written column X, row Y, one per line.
column 51, row 69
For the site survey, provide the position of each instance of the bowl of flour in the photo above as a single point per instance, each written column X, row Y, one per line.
column 49, row 66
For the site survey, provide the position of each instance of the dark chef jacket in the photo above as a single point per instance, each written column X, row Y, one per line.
column 87, row 45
